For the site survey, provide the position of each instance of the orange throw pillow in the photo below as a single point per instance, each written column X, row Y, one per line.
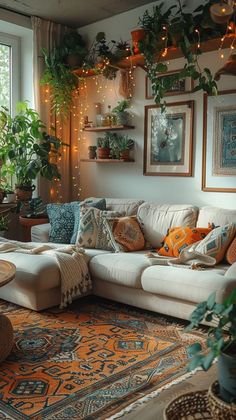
column 128, row 234
column 179, row 238
column 231, row 252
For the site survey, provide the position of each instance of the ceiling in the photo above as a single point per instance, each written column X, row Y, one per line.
column 74, row 13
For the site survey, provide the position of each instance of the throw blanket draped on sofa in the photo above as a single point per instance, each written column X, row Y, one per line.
column 75, row 278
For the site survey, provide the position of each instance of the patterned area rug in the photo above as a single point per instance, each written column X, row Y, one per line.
column 89, row 361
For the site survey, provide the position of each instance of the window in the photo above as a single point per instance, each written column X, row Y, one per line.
column 9, row 71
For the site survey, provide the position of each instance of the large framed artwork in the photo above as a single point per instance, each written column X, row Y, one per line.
column 180, row 87
column 219, row 142
column 168, row 139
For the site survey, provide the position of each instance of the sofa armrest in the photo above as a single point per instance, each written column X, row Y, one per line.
column 40, row 233
column 231, row 272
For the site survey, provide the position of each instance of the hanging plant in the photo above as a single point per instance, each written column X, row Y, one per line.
column 174, row 27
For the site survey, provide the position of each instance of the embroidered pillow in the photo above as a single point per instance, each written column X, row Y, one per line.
column 94, row 231
column 231, row 252
column 99, row 203
column 217, row 241
column 127, row 233
column 61, row 217
column 179, row 238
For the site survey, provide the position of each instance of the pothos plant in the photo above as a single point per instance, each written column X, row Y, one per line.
column 171, row 27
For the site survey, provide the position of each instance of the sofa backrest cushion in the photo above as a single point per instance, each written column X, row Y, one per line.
column 156, row 219
column 216, row 215
column 123, row 205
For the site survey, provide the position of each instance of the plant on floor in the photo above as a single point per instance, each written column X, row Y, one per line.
column 221, row 341
column 171, row 27
column 25, row 148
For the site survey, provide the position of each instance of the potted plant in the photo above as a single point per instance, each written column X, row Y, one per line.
column 122, row 116
column 103, row 147
column 4, row 222
column 121, row 146
column 26, row 149
column 74, row 49
column 221, row 342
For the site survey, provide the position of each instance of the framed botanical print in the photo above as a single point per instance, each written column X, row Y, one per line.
column 179, row 87
column 168, row 139
column 219, row 142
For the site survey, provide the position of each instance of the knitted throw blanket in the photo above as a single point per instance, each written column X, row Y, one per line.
column 75, row 278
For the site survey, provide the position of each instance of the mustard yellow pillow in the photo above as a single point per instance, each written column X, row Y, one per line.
column 127, row 233
column 179, row 238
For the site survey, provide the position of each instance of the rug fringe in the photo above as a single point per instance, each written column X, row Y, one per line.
column 153, row 394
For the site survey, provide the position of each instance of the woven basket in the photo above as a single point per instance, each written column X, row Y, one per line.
column 190, row 406
column 220, row 410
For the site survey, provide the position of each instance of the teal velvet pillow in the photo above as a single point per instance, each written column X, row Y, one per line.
column 98, row 203
column 62, row 219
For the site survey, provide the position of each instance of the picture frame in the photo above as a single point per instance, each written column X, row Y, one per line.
column 168, row 139
column 181, row 87
column 219, row 142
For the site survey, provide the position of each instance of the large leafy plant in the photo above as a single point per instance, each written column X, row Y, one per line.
column 174, row 27
column 26, row 150
column 221, row 336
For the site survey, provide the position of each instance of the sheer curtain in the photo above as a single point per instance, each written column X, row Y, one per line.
column 46, row 35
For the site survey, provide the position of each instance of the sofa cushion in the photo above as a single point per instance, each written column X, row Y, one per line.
column 156, row 219
column 216, row 242
column 62, row 218
column 180, row 238
column 127, row 233
column 231, row 252
column 216, row 215
column 185, row 284
column 120, row 268
column 94, row 231
column 123, row 205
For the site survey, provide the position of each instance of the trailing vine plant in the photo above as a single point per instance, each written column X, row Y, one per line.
column 174, row 27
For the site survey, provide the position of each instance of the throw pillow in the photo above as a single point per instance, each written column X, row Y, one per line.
column 94, row 232
column 99, row 203
column 217, row 241
column 127, row 233
column 179, row 238
column 61, row 217
column 231, row 252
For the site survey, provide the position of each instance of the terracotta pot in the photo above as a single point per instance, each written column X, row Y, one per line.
column 103, row 152
column 124, row 155
column 137, row 35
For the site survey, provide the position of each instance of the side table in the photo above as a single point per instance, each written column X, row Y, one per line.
column 27, row 224
column 7, row 273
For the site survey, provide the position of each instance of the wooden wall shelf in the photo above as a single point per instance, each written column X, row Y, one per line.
column 107, row 160
column 109, row 128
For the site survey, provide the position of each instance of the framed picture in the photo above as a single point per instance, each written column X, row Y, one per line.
column 219, row 142
column 168, row 139
column 180, row 87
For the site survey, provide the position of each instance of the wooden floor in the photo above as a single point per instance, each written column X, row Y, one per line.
column 153, row 410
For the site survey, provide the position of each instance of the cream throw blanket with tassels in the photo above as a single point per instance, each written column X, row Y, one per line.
column 75, row 278
column 188, row 258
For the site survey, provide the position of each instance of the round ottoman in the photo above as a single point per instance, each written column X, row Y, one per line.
column 6, row 337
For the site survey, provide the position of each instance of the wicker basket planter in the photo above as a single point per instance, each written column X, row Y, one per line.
column 220, row 410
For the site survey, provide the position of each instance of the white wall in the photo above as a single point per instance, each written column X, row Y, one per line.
column 20, row 26
column 127, row 180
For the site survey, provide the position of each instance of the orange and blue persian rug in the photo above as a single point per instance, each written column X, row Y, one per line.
column 89, row 361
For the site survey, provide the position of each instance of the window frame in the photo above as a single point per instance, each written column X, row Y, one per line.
column 14, row 43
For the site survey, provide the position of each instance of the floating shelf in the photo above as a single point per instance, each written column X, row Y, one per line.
column 107, row 160
column 109, row 128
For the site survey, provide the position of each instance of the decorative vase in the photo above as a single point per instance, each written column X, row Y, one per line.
column 103, row 152
column 227, row 374
column 137, row 35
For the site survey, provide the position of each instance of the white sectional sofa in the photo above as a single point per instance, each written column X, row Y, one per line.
column 129, row 277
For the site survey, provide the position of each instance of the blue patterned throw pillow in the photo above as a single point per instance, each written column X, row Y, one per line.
column 62, row 219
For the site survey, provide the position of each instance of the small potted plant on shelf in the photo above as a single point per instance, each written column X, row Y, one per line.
column 120, row 110
column 103, row 147
column 221, row 343
column 121, row 146
column 27, row 150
